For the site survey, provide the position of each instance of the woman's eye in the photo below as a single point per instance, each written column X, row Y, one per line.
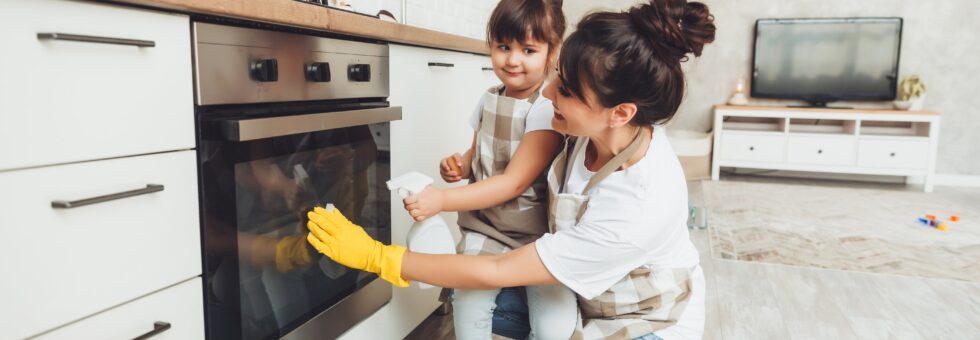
column 564, row 91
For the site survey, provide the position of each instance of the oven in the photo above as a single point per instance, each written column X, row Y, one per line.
column 286, row 122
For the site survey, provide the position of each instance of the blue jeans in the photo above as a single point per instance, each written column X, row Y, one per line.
column 510, row 318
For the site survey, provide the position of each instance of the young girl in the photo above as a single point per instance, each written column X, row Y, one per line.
column 505, row 206
column 617, row 194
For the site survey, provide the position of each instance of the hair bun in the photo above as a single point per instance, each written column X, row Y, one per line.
column 676, row 26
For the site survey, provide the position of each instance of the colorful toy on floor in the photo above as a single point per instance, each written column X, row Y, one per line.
column 930, row 220
column 954, row 218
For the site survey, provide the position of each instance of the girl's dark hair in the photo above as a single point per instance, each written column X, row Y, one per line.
column 512, row 20
column 635, row 56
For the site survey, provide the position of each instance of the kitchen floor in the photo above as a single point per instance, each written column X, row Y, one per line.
column 755, row 300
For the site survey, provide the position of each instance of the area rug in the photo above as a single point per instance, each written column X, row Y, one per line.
column 871, row 230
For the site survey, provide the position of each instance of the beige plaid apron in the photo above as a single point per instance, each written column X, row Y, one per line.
column 645, row 300
column 525, row 218
column 517, row 222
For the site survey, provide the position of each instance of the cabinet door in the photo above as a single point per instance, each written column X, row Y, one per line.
column 175, row 313
column 66, row 98
column 438, row 91
column 64, row 261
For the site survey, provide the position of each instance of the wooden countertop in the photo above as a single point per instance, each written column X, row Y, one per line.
column 298, row 14
column 816, row 109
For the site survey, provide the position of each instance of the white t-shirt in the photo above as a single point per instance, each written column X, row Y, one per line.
column 538, row 117
column 635, row 218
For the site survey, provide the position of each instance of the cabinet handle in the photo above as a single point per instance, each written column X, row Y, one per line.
column 441, row 64
column 95, row 39
column 486, row 68
column 158, row 327
column 150, row 188
column 751, row 148
column 819, row 151
column 892, row 155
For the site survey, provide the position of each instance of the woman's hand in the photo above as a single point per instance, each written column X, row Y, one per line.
column 453, row 169
column 425, row 204
column 335, row 236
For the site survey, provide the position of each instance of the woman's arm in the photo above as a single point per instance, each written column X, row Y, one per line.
column 335, row 236
column 520, row 267
column 533, row 156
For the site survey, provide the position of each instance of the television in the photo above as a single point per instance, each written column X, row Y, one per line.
column 827, row 59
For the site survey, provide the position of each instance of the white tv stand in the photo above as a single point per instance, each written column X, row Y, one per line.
column 856, row 141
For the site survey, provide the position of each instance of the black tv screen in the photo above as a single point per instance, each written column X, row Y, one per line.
column 823, row 60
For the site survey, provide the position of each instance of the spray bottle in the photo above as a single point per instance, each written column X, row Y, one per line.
column 432, row 235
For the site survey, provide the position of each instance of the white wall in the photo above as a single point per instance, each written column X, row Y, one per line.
column 939, row 43
column 461, row 17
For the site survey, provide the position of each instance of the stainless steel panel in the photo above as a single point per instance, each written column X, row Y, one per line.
column 259, row 128
column 345, row 314
column 223, row 57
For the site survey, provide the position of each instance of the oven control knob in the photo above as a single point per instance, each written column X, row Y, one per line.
column 264, row 70
column 318, row 72
column 359, row 72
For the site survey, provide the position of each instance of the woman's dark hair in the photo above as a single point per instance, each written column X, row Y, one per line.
column 513, row 20
column 635, row 56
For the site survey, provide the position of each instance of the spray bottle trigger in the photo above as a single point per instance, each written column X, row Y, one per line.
column 404, row 193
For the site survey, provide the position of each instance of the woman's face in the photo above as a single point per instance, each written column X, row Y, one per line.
column 573, row 115
column 520, row 65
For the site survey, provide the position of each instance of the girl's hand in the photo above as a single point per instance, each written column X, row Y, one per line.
column 425, row 204
column 453, row 169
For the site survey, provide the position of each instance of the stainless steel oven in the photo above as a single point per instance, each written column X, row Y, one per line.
column 285, row 122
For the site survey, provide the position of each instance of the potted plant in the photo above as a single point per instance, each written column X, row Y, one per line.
column 911, row 93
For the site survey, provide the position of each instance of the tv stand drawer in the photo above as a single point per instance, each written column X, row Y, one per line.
column 893, row 154
column 749, row 147
column 821, row 150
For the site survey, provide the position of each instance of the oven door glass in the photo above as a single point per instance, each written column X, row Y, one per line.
column 262, row 279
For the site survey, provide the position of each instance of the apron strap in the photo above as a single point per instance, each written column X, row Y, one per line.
column 615, row 162
column 534, row 95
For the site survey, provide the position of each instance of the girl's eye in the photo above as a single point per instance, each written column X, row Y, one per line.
column 530, row 51
column 503, row 47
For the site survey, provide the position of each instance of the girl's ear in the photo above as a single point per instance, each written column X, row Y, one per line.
column 622, row 114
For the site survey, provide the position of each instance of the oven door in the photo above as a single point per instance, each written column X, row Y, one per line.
column 259, row 177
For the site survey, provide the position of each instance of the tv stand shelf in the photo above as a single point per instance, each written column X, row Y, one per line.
column 856, row 141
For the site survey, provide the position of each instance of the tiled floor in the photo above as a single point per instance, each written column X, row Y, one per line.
column 752, row 300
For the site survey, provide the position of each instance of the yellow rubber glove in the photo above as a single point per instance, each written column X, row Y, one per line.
column 291, row 253
column 346, row 243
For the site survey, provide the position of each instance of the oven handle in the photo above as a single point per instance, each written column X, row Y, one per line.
column 243, row 130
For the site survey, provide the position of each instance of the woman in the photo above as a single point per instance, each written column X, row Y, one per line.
column 618, row 197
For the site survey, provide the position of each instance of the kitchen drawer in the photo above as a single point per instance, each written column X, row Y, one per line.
column 898, row 154
column 180, row 306
column 820, row 150
column 64, row 101
column 749, row 147
column 64, row 264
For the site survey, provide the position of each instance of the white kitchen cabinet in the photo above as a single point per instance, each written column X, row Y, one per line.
column 64, row 260
column 437, row 101
column 175, row 313
column 67, row 94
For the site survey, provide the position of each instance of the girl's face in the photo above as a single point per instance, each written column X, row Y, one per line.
column 520, row 66
column 573, row 116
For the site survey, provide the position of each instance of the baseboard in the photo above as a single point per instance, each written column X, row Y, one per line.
column 953, row 180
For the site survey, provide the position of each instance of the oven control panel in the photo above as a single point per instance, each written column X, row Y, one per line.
column 238, row 65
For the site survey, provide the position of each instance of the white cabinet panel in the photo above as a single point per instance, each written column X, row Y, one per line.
column 64, row 101
column 750, row 147
column 821, row 150
column 889, row 153
column 181, row 307
column 64, row 264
